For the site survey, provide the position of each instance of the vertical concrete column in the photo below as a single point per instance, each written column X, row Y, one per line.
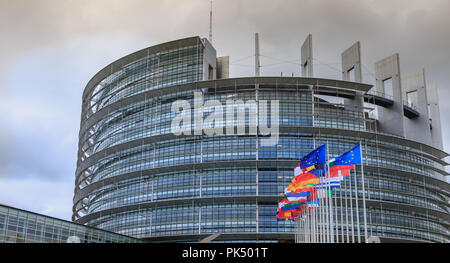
column 209, row 60
column 434, row 115
column 351, row 60
column 417, row 128
column 391, row 118
column 223, row 67
column 307, row 57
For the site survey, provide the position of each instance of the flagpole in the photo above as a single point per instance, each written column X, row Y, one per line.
column 304, row 229
column 314, row 139
column 351, row 211
column 346, row 212
column 322, row 208
column 319, row 217
column 299, row 228
column 364, row 195
column 313, row 214
column 342, row 216
column 305, row 223
column 301, row 231
column 326, row 214
column 316, row 214
column 330, row 200
column 295, row 232
column 336, row 221
column 313, row 224
column 357, row 208
column 307, row 229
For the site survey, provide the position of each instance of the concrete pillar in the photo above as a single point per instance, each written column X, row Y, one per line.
column 435, row 118
column 351, row 61
column 418, row 128
column 307, row 57
column 209, row 60
column 387, row 71
column 223, row 67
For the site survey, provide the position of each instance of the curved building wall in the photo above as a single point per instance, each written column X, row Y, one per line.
column 135, row 177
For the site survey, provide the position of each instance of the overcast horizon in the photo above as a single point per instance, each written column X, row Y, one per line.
column 51, row 48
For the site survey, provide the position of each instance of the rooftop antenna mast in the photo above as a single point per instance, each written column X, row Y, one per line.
column 210, row 22
column 257, row 62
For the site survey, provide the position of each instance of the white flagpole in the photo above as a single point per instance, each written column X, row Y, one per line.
column 330, row 200
column 313, row 212
column 299, row 233
column 318, row 212
column 296, row 232
column 324, row 218
column 299, row 230
column 346, row 212
column 357, row 208
column 326, row 214
column 336, row 219
column 322, row 209
column 351, row 211
column 303, row 231
column 308, row 229
column 364, row 195
column 313, row 224
column 342, row 215
column 313, row 215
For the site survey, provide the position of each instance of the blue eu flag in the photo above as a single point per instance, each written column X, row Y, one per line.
column 349, row 158
column 315, row 159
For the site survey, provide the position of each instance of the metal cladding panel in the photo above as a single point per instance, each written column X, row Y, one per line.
column 434, row 114
column 390, row 119
column 223, row 67
column 351, row 60
column 418, row 128
column 307, row 57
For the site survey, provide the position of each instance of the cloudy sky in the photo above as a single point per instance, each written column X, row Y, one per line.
column 49, row 49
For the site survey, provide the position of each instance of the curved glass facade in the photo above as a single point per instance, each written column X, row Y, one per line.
column 135, row 177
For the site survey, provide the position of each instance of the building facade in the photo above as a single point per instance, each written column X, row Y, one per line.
column 19, row 226
column 136, row 177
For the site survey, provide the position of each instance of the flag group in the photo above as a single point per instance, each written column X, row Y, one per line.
column 314, row 179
